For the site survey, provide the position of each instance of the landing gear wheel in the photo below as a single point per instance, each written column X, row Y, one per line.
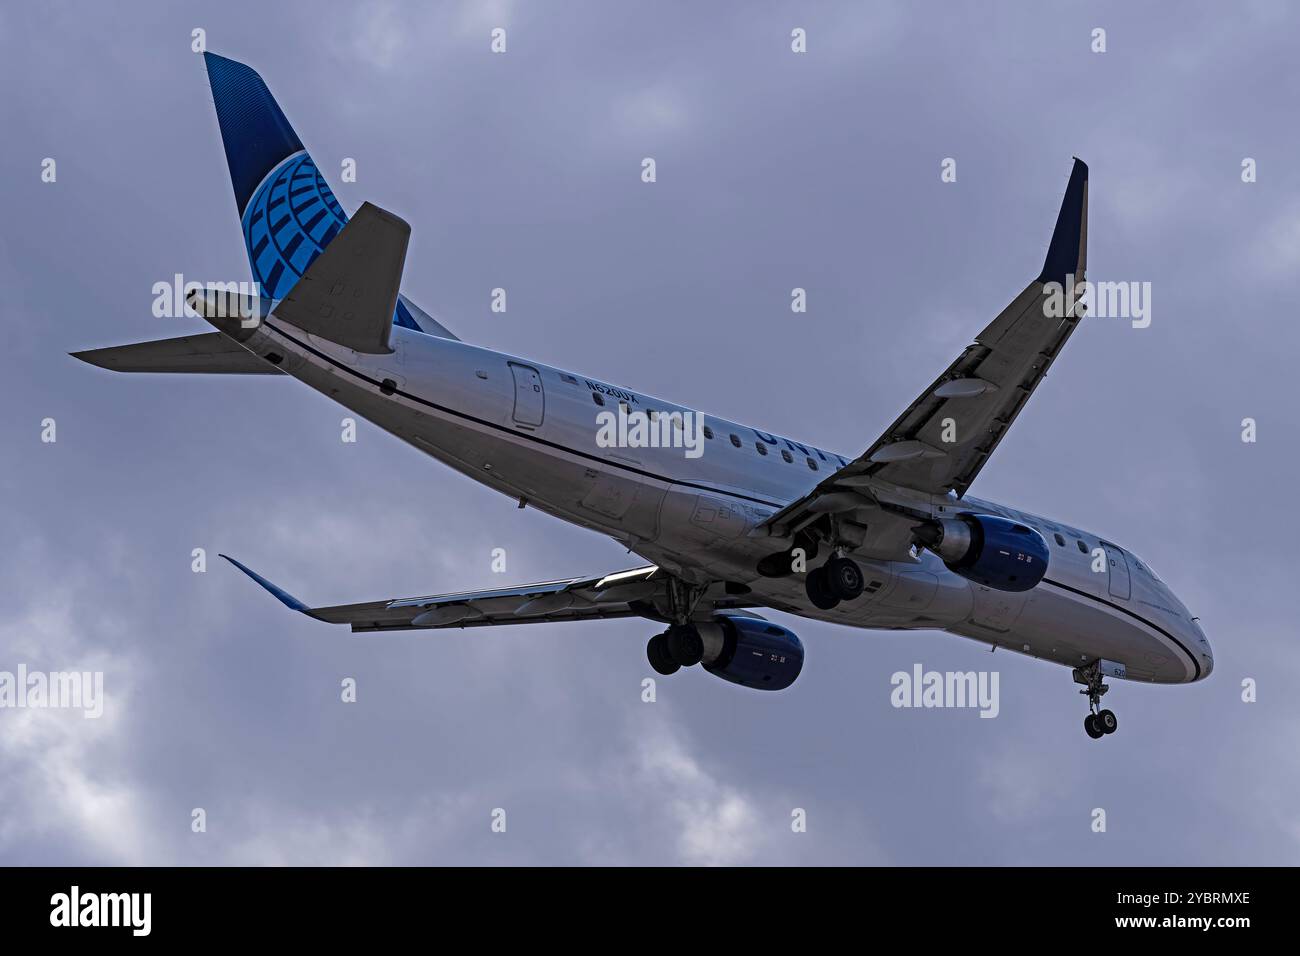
column 1093, row 726
column 657, row 653
column 818, row 589
column 685, row 646
column 1107, row 721
column 843, row 578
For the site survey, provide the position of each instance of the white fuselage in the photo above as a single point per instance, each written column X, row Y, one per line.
column 530, row 431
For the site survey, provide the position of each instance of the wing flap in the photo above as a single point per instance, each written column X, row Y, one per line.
column 378, row 616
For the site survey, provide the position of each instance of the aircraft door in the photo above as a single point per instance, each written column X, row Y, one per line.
column 1120, row 586
column 530, row 400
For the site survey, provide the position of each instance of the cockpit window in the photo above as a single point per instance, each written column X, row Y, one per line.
column 1147, row 569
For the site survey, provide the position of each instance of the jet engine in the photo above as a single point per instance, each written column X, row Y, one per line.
column 988, row 549
column 751, row 652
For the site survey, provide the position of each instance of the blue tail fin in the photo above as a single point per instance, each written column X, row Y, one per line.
column 287, row 210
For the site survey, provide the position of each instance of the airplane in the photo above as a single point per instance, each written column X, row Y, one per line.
column 749, row 522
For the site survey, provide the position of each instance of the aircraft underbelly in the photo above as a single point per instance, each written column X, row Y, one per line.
column 518, row 462
column 1074, row 630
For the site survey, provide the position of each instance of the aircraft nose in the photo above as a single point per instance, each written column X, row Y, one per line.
column 1202, row 649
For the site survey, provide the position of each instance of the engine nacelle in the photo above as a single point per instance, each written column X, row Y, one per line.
column 990, row 550
column 751, row 652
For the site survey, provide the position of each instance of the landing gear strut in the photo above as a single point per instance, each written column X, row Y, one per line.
column 1099, row 722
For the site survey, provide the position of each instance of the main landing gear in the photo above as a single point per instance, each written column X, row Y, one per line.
column 1099, row 722
column 679, row 646
column 839, row 579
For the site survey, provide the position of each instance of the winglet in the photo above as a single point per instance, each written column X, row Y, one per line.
column 285, row 598
column 1068, row 253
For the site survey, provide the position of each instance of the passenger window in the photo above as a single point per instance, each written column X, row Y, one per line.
column 1060, row 540
column 1082, row 547
column 598, row 398
column 812, row 464
column 708, row 432
column 762, row 449
column 789, row 458
column 735, row 440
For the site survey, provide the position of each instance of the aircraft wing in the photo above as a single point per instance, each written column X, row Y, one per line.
column 640, row 592
column 940, row 443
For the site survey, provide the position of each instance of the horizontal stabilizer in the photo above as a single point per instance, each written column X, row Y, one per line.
column 348, row 294
column 211, row 353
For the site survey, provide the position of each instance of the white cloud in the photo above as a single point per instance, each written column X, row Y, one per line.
column 58, row 781
column 716, row 824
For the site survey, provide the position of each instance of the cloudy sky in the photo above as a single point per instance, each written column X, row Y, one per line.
column 521, row 170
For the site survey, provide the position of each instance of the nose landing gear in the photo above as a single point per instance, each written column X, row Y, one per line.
column 1099, row 722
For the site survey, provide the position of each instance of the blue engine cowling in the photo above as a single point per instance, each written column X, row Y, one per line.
column 751, row 652
column 997, row 552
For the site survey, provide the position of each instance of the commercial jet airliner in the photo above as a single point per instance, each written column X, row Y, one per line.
column 738, row 520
